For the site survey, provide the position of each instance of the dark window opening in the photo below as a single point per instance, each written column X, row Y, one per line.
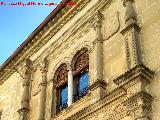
column 61, row 85
column 81, row 85
column 62, row 98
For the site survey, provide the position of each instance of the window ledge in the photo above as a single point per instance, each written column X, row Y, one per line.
column 76, row 106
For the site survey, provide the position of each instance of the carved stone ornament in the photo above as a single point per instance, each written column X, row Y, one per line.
column 44, row 65
column 139, row 105
column 98, row 20
column 43, row 68
column 61, row 75
column 81, row 62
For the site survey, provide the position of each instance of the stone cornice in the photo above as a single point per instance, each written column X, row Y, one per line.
column 46, row 34
column 60, row 21
column 98, row 83
column 95, row 107
column 147, row 98
column 76, row 31
column 139, row 70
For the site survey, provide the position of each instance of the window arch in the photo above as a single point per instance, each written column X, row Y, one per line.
column 80, row 67
column 61, row 86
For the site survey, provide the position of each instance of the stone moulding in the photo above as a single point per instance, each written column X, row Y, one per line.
column 139, row 70
column 98, row 106
column 120, row 92
column 139, row 105
column 98, row 83
column 38, row 44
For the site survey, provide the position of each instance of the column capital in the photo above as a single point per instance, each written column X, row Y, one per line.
column 26, row 72
column 124, row 2
column 43, row 69
column 44, row 65
column 69, row 67
column 97, row 23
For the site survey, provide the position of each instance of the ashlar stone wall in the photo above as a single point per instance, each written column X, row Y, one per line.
column 80, row 32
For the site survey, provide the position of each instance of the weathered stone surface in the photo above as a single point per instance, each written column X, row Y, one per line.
column 120, row 100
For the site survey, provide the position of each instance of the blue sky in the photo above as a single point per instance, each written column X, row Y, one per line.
column 18, row 22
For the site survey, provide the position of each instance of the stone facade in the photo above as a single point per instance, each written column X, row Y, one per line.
column 122, row 39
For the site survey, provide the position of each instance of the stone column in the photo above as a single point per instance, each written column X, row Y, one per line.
column 98, row 87
column 24, row 111
column 53, row 109
column 131, row 33
column 43, row 86
column 98, row 47
column 70, row 87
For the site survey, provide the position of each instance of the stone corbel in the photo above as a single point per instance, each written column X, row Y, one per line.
column 139, row 106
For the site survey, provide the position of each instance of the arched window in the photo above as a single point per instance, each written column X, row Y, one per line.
column 80, row 68
column 61, row 76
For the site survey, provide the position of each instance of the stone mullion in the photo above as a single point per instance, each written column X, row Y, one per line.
column 70, row 86
column 43, row 86
column 24, row 111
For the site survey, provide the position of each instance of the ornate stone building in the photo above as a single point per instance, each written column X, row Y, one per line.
column 96, row 60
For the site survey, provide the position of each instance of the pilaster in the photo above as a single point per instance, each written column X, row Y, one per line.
column 98, row 87
column 26, row 74
column 43, row 86
column 131, row 34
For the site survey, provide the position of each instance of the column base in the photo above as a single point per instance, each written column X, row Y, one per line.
column 23, row 113
column 98, row 90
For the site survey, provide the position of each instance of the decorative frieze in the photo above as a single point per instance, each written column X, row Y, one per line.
column 134, row 82
column 40, row 40
column 139, row 106
column 102, row 106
